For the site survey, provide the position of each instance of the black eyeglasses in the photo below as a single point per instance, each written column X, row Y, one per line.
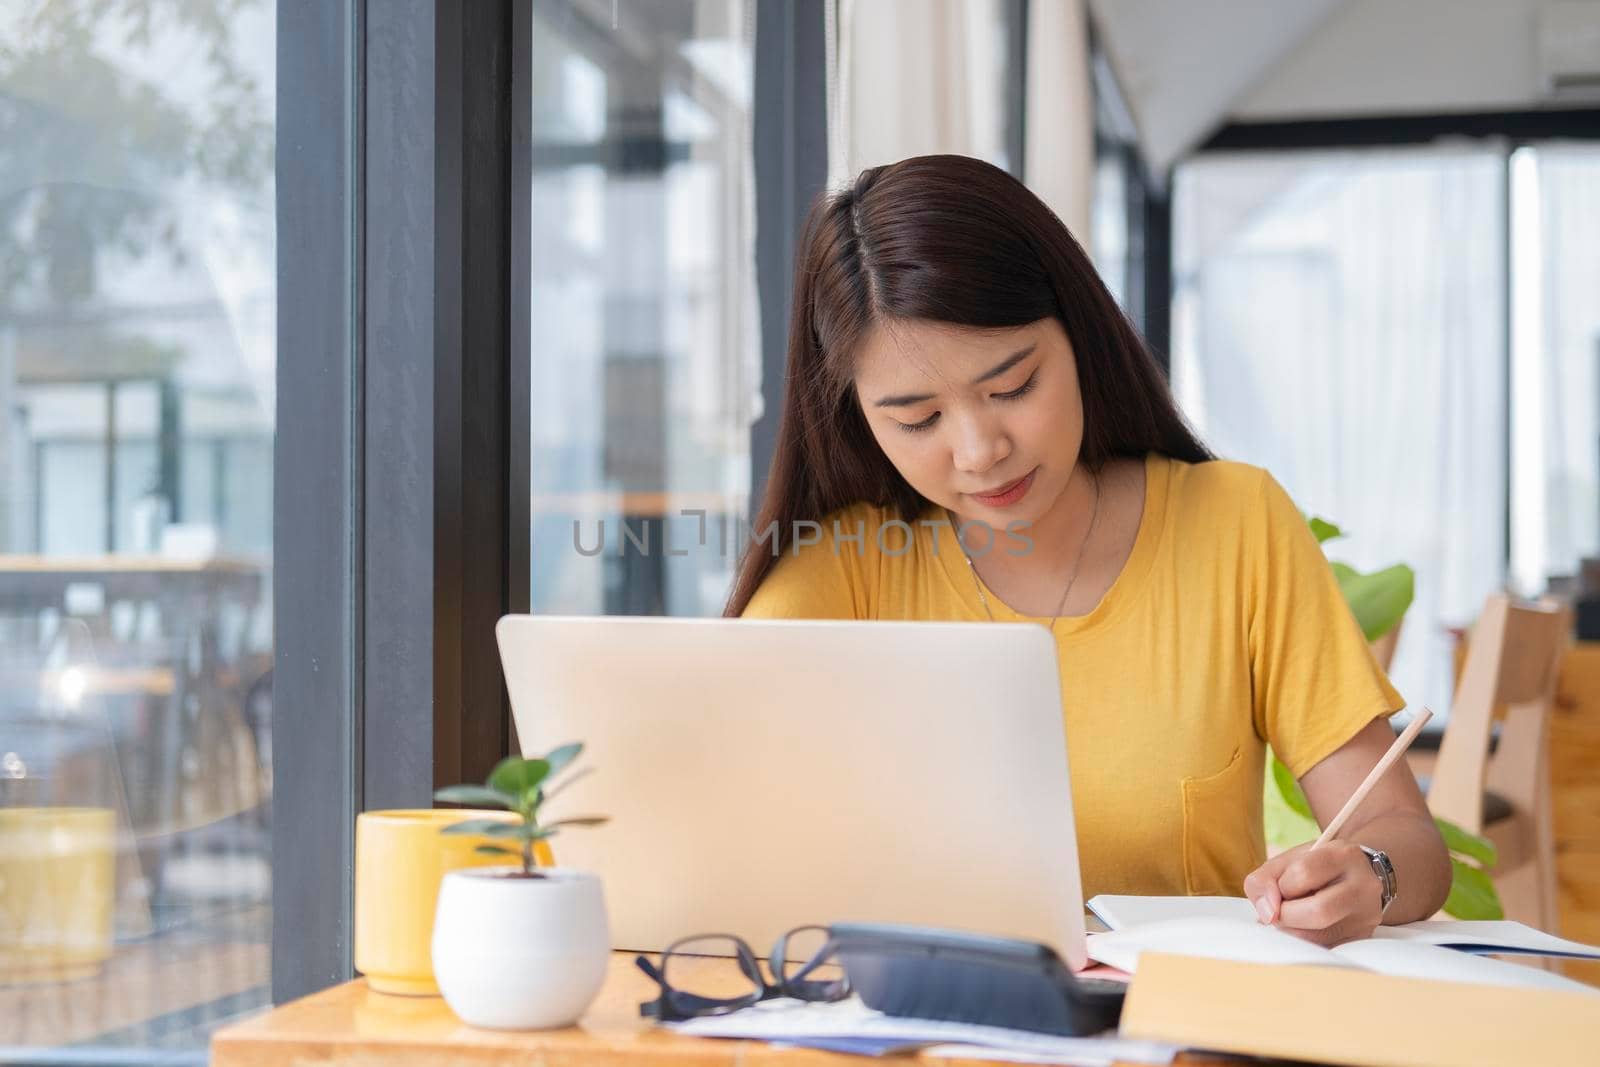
column 694, row 983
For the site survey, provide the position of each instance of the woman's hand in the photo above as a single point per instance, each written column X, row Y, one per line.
column 1327, row 896
column 1332, row 894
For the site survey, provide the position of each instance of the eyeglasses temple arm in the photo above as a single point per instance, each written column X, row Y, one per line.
column 651, row 1009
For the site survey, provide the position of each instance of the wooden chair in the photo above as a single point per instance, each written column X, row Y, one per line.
column 1510, row 672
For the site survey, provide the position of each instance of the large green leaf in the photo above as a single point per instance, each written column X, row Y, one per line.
column 1471, row 845
column 1290, row 789
column 1283, row 827
column 484, row 827
column 1472, row 894
column 476, row 795
column 1379, row 599
column 519, row 777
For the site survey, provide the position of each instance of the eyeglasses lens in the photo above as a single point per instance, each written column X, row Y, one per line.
column 802, row 968
column 707, row 975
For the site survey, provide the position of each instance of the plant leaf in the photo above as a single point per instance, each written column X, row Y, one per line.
column 1284, row 827
column 518, row 777
column 526, row 830
column 559, row 757
column 484, row 828
column 1325, row 531
column 1378, row 600
column 476, row 795
column 1472, row 894
column 496, row 850
column 1470, row 845
column 579, row 820
column 1290, row 789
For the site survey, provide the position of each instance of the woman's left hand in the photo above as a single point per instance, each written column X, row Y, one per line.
column 1327, row 896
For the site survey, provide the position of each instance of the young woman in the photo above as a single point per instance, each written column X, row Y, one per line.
column 957, row 368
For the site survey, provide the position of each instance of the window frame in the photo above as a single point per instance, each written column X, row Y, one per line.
column 1148, row 208
column 392, row 504
column 790, row 144
column 316, row 517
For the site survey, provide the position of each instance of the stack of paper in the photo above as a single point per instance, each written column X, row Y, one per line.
column 851, row 1026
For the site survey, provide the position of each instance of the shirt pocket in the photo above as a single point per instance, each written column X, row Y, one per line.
column 1222, row 834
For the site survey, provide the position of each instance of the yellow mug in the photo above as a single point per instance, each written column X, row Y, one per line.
column 401, row 856
column 57, row 891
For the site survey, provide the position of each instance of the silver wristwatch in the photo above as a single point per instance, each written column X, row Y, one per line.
column 1385, row 872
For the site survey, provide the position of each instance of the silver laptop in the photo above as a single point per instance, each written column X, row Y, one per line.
column 762, row 775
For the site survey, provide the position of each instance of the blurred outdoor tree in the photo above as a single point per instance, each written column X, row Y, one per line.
column 92, row 140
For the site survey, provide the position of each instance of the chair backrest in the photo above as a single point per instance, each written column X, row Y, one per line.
column 1513, row 658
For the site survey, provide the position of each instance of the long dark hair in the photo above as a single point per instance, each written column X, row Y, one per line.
column 954, row 240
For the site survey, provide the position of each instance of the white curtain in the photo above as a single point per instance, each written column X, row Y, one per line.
column 913, row 77
column 1556, row 274
column 1339, row 320
column 917, row 77
column 1059, row 138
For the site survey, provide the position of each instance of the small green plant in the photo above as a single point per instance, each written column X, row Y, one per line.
column 1379, row 600
column 522, row 786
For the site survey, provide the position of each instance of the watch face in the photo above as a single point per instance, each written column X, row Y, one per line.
column 1385, row 872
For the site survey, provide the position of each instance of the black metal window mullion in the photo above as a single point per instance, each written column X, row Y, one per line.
column 1016, row 116
column 316, row 531
column 1155, row 264
column 437, row 437
column 519, row 335
column 791, row 167
column 481, row 527
column 1147, row 209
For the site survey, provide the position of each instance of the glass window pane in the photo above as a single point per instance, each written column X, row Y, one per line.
column 1339, row 318
column 644, row 357
column 137, row 361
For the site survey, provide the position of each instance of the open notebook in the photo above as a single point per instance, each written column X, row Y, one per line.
column 1502, row 937
column 1227, row 928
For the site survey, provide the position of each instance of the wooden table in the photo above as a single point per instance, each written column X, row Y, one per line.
column 350, row 1025
column 41, row 581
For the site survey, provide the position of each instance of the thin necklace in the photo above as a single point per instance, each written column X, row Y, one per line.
column 1094, row 517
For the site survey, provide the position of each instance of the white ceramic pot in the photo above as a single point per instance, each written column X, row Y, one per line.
column 520, row 953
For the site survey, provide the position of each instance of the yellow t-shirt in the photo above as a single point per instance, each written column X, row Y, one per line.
column 1225, row 630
